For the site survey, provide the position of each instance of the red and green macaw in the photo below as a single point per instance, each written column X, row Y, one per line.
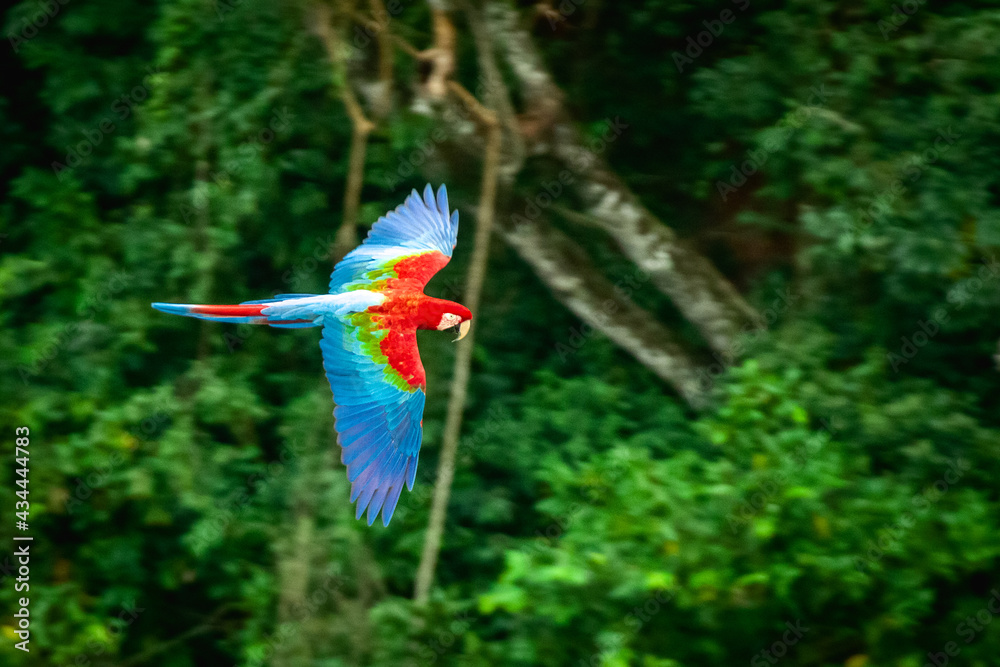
column 370, row 320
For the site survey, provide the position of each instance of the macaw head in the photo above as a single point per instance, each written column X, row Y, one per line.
column 441, row 315
column 457, row 317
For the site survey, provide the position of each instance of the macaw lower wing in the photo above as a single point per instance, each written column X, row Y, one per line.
column 378, row 387
column 288, row 311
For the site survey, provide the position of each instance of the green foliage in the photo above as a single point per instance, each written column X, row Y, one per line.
column 824, row 499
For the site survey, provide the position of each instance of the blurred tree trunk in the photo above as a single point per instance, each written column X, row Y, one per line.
column 568, row 272
column 294, row 571
column 329, row 30
column 700, row 292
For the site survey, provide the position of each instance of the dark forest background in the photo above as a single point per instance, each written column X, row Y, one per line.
column 733, row 391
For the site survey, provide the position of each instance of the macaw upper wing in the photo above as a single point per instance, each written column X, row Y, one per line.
column 410, row 243
column 378, row 385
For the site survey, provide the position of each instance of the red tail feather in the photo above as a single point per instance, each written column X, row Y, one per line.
column 250, row 310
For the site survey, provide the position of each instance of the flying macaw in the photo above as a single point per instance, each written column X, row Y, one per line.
column 370, row 320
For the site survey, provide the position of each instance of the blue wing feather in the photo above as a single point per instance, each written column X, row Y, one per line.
column 411, row 472
column 419, row 224
column 280, row 297
column 390, row 502
column 378, row 424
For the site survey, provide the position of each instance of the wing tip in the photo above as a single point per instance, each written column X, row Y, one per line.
column 379, row 493
column 442, row 200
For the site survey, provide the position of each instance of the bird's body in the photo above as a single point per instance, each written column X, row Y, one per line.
column 369, row 320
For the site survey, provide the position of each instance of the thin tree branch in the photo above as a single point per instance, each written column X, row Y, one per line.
column 463, row 354
column 361, row 127
column 442, row 55
column 407, row 47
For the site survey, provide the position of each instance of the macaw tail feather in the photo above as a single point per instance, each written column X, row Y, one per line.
column 250, row 312
column 285, row 311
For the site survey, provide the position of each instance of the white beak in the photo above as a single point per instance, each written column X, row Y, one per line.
column 463, row 330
